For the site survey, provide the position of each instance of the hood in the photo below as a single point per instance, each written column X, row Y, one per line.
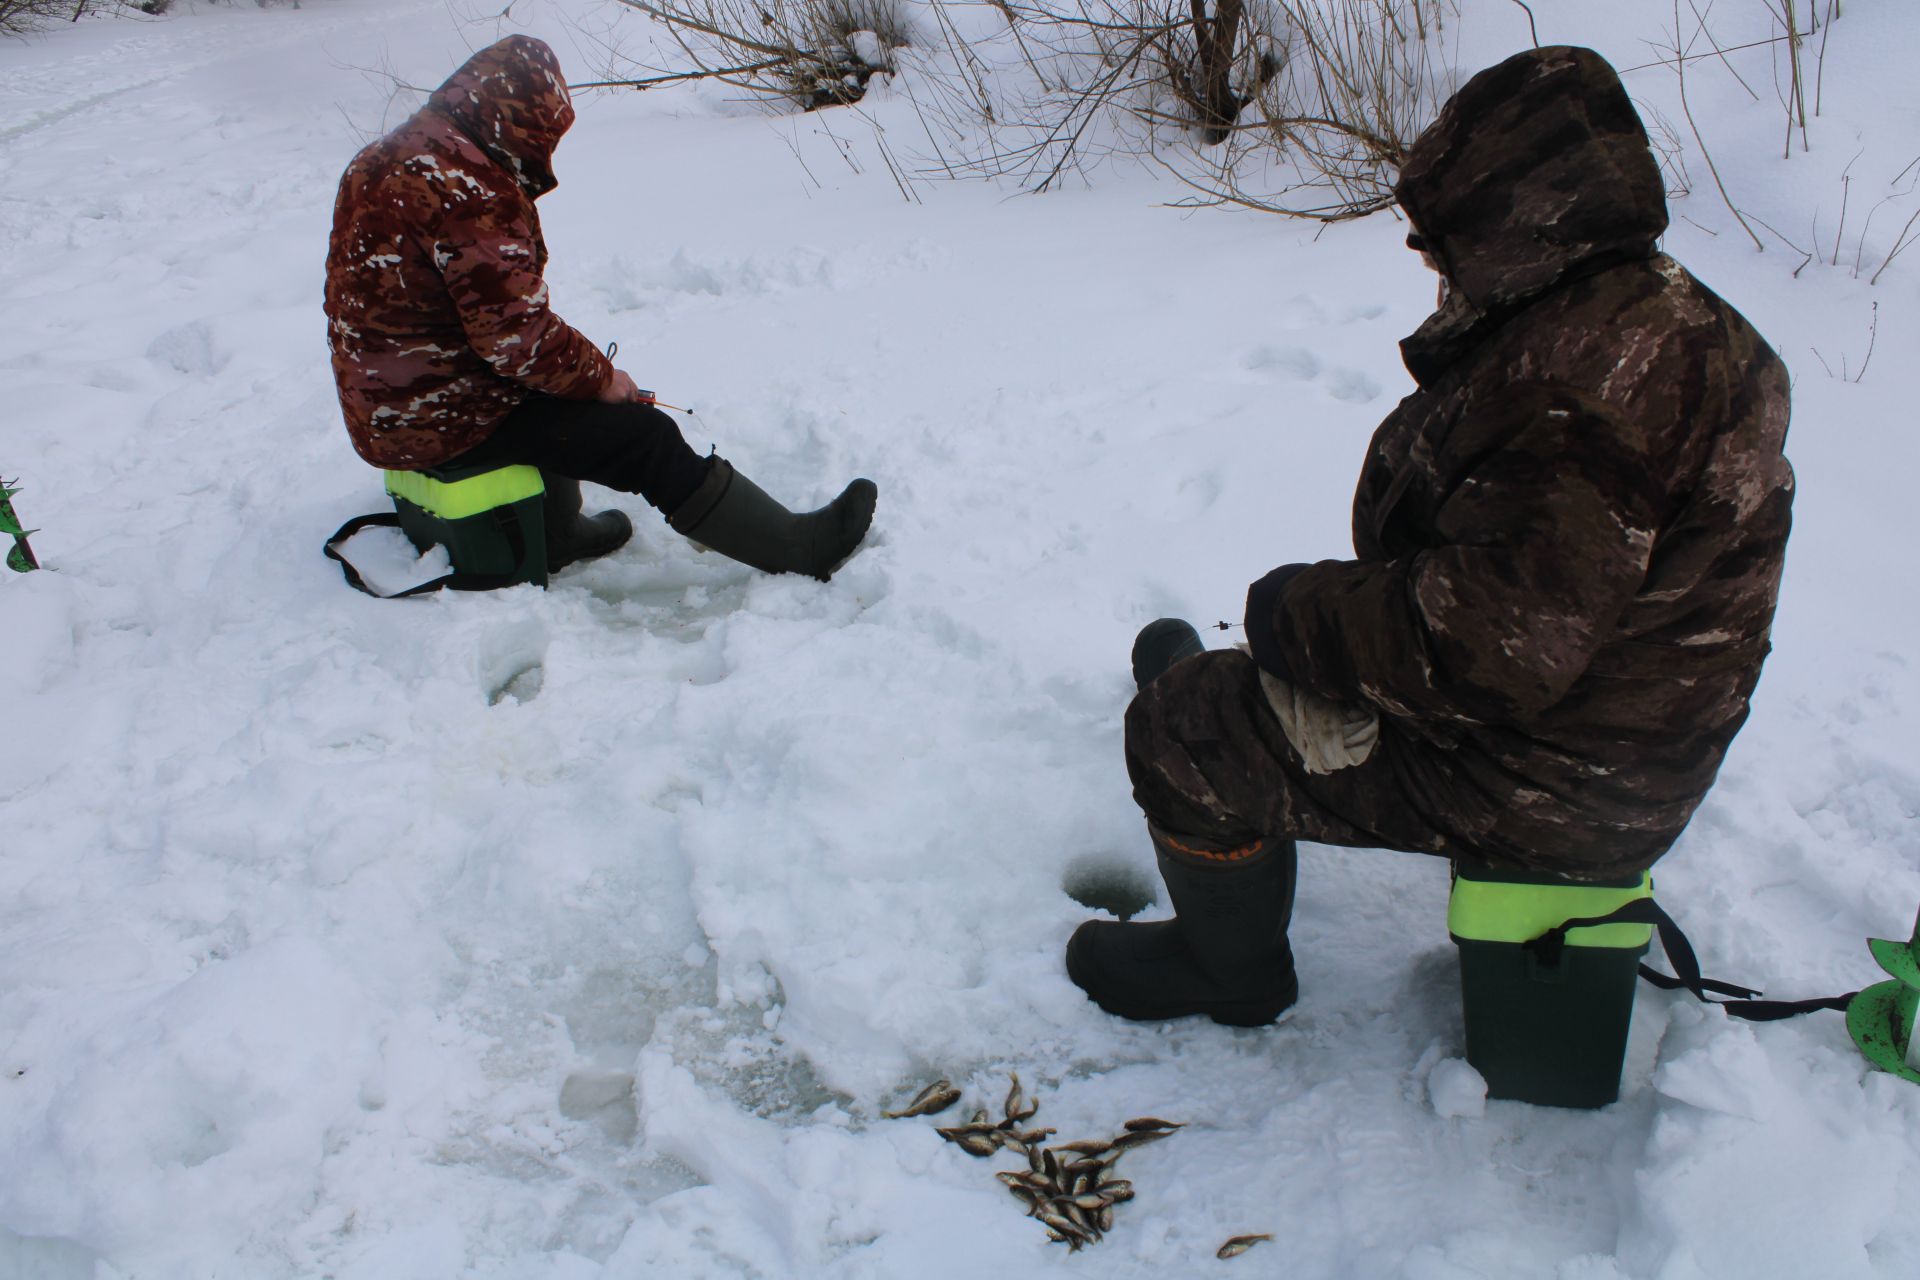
column 511, row 99
column 1536, row 168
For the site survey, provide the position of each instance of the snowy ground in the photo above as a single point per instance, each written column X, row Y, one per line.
column 585, row 933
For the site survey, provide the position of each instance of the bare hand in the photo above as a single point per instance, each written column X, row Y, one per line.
column 620, row 389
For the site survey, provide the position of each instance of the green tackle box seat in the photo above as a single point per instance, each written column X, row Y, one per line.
column 1546, row 1024
column 488, row 518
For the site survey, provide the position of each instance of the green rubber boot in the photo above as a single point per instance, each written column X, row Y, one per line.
column 1160, row 644
column 734, row 516
column 571, row 536
column 1225, row 952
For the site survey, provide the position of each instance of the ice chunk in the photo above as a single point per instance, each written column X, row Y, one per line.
column 1458, row 1091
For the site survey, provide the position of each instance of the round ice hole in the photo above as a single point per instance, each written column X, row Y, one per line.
column 1105, row 883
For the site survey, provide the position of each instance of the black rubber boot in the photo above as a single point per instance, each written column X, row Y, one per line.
column 734, row 516
column 572, row 537
column 1160, row 644
column 1225, row 952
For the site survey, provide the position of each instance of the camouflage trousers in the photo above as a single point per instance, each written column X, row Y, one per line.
column 1208, row 760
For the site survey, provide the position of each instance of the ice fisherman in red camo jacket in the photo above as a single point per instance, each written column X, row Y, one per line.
column 446, row 350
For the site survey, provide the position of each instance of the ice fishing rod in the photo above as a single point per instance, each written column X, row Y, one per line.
column 644, row 396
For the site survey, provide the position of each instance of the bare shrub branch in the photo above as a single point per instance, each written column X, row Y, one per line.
column 1533, row 32
column 1302, row 107
column 1873, row 335
column 1681, row 55
column 818, row 53
column 1900, row 242
column 17, row 17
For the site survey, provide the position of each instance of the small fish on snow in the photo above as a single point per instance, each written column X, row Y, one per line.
column 1150, row 1122
column 936, row 1097
column 1239, row 1245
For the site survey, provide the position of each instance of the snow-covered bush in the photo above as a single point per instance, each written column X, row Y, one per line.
column 1302, row 107
column 1344, row 87
column 20, row 16
column 1296, row 106
column 817, row 53
column 17, row 17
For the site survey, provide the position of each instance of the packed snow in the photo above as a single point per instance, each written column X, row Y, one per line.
column 585, row 933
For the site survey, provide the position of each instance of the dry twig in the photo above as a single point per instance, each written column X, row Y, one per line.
column 1679, row 64
column 818, row 53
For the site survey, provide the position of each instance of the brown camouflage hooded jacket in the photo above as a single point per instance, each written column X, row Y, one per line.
column 1568, row 540
column 437, row 312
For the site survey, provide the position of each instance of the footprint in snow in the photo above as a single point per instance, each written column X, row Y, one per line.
column 1292, row 362
column 603, row 1098
column 190, row 349
column 1302, row 365
column 511, row 663
column 1301, row 312
column 1352, row 385
column 1191, row 497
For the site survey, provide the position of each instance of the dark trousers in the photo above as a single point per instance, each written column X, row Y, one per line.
column 634, row 448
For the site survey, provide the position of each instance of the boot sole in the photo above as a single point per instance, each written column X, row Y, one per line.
column 1244, row 1013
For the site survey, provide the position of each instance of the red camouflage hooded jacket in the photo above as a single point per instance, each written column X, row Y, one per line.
column 437, row 312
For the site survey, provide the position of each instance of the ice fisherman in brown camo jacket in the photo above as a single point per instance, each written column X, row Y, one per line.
column 1567, row 549
column 447, row 351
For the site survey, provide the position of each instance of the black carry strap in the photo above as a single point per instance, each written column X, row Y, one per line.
column 456, row 580
column 1686, row 966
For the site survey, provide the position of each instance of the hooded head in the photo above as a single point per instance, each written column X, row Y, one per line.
column 511, row 99
column 1535, row 167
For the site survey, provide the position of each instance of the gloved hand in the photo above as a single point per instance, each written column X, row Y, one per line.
column 1328, row 735
column 1263, row 599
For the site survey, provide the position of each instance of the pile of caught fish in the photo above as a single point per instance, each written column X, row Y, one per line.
column 1070, row 1187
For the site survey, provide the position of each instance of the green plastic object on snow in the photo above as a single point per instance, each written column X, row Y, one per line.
column 1546, row 1025
column 488, row 518
column 1881, row 1017
column 20, row 557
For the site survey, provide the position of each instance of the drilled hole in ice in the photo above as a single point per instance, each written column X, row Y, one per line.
column 1105, row 883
